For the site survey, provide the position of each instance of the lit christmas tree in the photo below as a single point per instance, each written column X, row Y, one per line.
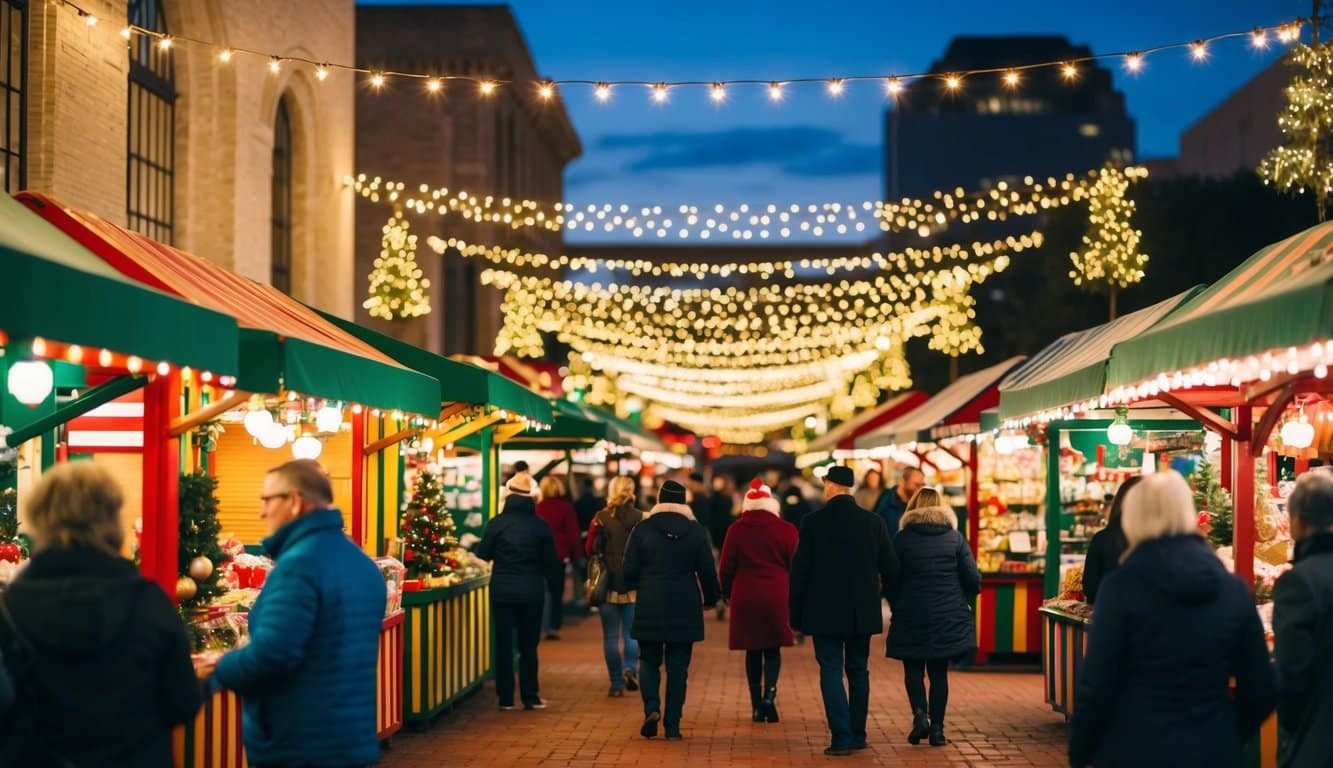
column 1111, row 259
column 428, row 529
column 1303, row 160
column 397, row 288
column 197, row 550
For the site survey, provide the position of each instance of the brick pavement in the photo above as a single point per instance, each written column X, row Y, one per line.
column 995, row 718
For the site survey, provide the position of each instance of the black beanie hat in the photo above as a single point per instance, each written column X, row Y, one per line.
column 841, row 475
column 672, row 492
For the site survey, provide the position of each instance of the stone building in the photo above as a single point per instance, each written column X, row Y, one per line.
column 219, row 156
column 510, row 143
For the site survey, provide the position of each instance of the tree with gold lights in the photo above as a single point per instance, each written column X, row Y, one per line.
column 397, row 288
column 1111, row 259
column 1303, row 160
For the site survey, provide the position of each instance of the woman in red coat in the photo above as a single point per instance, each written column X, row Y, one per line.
column 556, row 509
column 756, row 558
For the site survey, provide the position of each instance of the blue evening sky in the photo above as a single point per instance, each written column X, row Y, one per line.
column 811, row 148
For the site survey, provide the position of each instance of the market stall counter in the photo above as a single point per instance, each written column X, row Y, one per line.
column 448, row 630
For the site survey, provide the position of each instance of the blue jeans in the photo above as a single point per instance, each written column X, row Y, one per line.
column 845, row 710
column 617, row 618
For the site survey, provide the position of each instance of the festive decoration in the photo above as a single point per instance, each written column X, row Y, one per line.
column 30, row 381
column 12, row 549
column 198, row 541
column 186, row 590
column 1303, row 160
column 200, row 568
column 397, row 288
column 428, row 528
column 208, row 434
column 1212, row 499
column 1111, row 259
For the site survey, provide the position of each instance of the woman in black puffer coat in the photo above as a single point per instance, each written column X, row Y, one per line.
column 932, row 622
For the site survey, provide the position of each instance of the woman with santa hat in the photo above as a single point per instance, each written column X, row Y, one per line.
column 756, row 559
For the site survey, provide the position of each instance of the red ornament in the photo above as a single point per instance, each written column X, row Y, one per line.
column 1204, row 519
column 11, row 552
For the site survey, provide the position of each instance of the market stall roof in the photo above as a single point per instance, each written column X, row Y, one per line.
column 631, row 435
column 843, row 436
column 1281, row 297
column 56, row 289
column 460, row 382
column 1072, row 369
column 283, row 345
column 965, row 398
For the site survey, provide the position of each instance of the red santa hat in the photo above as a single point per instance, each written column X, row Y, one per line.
column 760, row 496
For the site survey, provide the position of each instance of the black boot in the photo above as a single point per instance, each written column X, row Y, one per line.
column 770, row 708
column 937, row 735
column 757, row 704
column 920, row 727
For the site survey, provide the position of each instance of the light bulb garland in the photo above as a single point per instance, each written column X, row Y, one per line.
column 659, row 92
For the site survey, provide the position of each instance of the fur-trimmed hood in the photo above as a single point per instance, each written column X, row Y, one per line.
column 680, row 509
column 929, row 516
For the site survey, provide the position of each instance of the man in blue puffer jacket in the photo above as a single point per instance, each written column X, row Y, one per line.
column 307, row 677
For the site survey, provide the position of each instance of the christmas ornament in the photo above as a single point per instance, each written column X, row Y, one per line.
column 11, row 552
column 186, row 588
column 200, row 568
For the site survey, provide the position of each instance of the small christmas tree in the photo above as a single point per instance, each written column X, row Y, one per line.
column 1211, row 497
column 198, row 541
column 427, row 528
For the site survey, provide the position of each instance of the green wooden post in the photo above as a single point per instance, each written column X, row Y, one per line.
column 1051, row 582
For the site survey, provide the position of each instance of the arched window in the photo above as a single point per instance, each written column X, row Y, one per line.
column 150, row 181
column 13, row 89
column 281, row 229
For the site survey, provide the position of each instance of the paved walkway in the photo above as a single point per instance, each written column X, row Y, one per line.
column 995, row 718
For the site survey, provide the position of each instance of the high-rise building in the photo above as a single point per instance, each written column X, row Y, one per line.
column 1003, row 125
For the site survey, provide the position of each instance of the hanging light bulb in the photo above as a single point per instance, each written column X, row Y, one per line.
column 329, row 419
column 273, row 436
column 1298, row 432
column 1120, row 432
column 257, row 422
column 30, row 382
column 307, row 447
column 1004, row 445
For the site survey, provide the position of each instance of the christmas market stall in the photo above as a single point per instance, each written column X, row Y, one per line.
column 1248, row 359
column 76, row 339
column 302, row 385
column 839, row 443
column 1086, row 460
column 452, row 471
column 997, row 507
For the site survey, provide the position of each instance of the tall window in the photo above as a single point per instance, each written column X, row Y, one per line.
column 150, row 182
column 13, row 85
column 281, row 230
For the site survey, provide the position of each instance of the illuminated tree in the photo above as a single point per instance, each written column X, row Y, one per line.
column 397, row 288
column 1111, row 259
column 1303, row 160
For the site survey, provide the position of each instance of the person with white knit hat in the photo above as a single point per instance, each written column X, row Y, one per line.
column 755, row 571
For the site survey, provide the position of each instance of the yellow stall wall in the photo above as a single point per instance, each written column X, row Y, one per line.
column 240, row 465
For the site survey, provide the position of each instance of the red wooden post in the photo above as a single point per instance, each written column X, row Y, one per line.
column 1242, row 507
column 359, row 460
column 1227, row 463
column 973, row 498
column 161, row 482
column 1302, row 466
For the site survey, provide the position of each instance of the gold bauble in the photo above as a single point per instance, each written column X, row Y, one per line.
column 186, row 588
column 200, row 568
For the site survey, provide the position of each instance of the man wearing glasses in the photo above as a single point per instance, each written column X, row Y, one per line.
column 307, row 677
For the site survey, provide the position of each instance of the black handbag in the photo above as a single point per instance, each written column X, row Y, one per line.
column 599, row 578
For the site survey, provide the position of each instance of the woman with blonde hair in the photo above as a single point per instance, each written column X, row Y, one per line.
column 87, row 640
column 932, row 622
column 1171, row 630
column 556, row 509
column 608, row 535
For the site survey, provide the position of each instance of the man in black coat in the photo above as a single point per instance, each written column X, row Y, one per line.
column 670, row 564
column 843, row 564
column 1303, row 627
column 526, row 566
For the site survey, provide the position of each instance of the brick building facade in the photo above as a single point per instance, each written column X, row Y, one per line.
column 226, row 160
column 509, row 144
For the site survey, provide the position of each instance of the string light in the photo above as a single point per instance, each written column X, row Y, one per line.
column 775, row 91
column 274, row 65
column 90, row 20
column 321, row 73
column 835, row 87
column 718, row 93
column 894, row 86
column 1284, row 32
column 376, row 80
column 1134, row 62
column 1012, row 79
column 1198, row 50
column 434, row 85
column 225, row 55
column 1069, row 71
column 602, row 92
column 922, row 216
column 660, row 93
column 164, row 43
column 953, row 82
column 546, row 91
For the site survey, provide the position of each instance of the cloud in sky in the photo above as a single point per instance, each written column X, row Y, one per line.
column 795, row 150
